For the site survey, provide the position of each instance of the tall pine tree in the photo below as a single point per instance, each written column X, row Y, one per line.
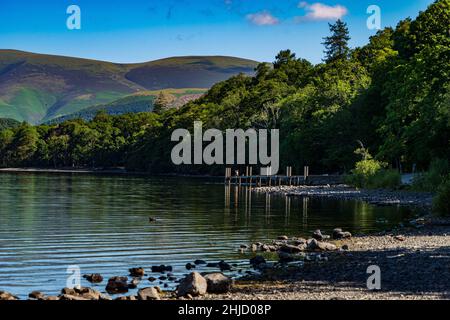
column 336, row 45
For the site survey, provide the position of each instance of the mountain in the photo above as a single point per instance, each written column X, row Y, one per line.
column 38, row 88
column 141, row 101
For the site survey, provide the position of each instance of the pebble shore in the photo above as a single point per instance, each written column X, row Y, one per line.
column 343, row 192
column 414, row 261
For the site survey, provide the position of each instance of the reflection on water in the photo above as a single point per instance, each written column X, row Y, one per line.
column 49, row 221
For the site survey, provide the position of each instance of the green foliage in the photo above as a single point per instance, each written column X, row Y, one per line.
column 371, row 173
column 336, row 45
column 441, row 203
column 6, row 123
column 433, row 177
column 393, row 94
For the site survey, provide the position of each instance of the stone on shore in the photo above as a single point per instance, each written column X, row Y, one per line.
column 93, row 278
column 134, row 283
column 126, row 298
column 283, row 238
column 288, row 248
column 69, row 297
column 218, row 283
column 314, row 245
column 193, row 284
column 117, row 285
column 338, row 234
column 317, row 235
column 36, row 295
column 86, row 293
column 148, row 294
column 7, row 296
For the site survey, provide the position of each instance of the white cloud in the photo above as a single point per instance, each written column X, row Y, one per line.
column 319, row 11
column 263, row 18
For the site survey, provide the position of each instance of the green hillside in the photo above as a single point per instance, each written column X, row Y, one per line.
column 139, row 102
column 38, row 88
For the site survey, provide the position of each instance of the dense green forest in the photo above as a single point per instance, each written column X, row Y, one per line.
column 6, row 123
column 391, row 95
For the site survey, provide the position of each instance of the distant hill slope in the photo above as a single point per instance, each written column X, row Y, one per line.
column 6, row 123
column 142, row 101
column 37, row 88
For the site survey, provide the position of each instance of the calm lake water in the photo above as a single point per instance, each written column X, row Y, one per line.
column 101, row 224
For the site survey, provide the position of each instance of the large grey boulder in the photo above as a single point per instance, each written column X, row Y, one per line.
column 218, row 283
column 148, row 294
column 194, row 284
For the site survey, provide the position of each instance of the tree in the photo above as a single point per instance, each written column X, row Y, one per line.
column 58, row 149
column 283, row 58
column 162, row 102
column 336, row 45
column 24, row 144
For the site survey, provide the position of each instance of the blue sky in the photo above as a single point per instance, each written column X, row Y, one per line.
column 138, row 30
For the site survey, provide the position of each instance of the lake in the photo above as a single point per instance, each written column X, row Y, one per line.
column 101, row 224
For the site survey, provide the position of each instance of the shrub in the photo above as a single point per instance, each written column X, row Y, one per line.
column 386, row 179
column 434, row 177
column 370, row 173
column 441, row 203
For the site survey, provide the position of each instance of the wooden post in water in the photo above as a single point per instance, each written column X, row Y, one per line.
column 306, row 173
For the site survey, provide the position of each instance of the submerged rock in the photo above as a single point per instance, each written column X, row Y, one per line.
column 257, row 260
column 117, row 285
column 193, row 284
column 190, row 266
column 137, row 272
column 224, row 266
column 93, row 278
column 218, row 283
column 162, row 268
column 197, row 262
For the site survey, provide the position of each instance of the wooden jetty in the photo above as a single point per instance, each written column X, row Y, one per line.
column 288, row 179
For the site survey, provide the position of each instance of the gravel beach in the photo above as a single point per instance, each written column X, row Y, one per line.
column 344, row 192
column 414, row 264
column 414, row 261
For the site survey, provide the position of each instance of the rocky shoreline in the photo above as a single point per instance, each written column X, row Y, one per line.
column 378, row 197
column 414, row 262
